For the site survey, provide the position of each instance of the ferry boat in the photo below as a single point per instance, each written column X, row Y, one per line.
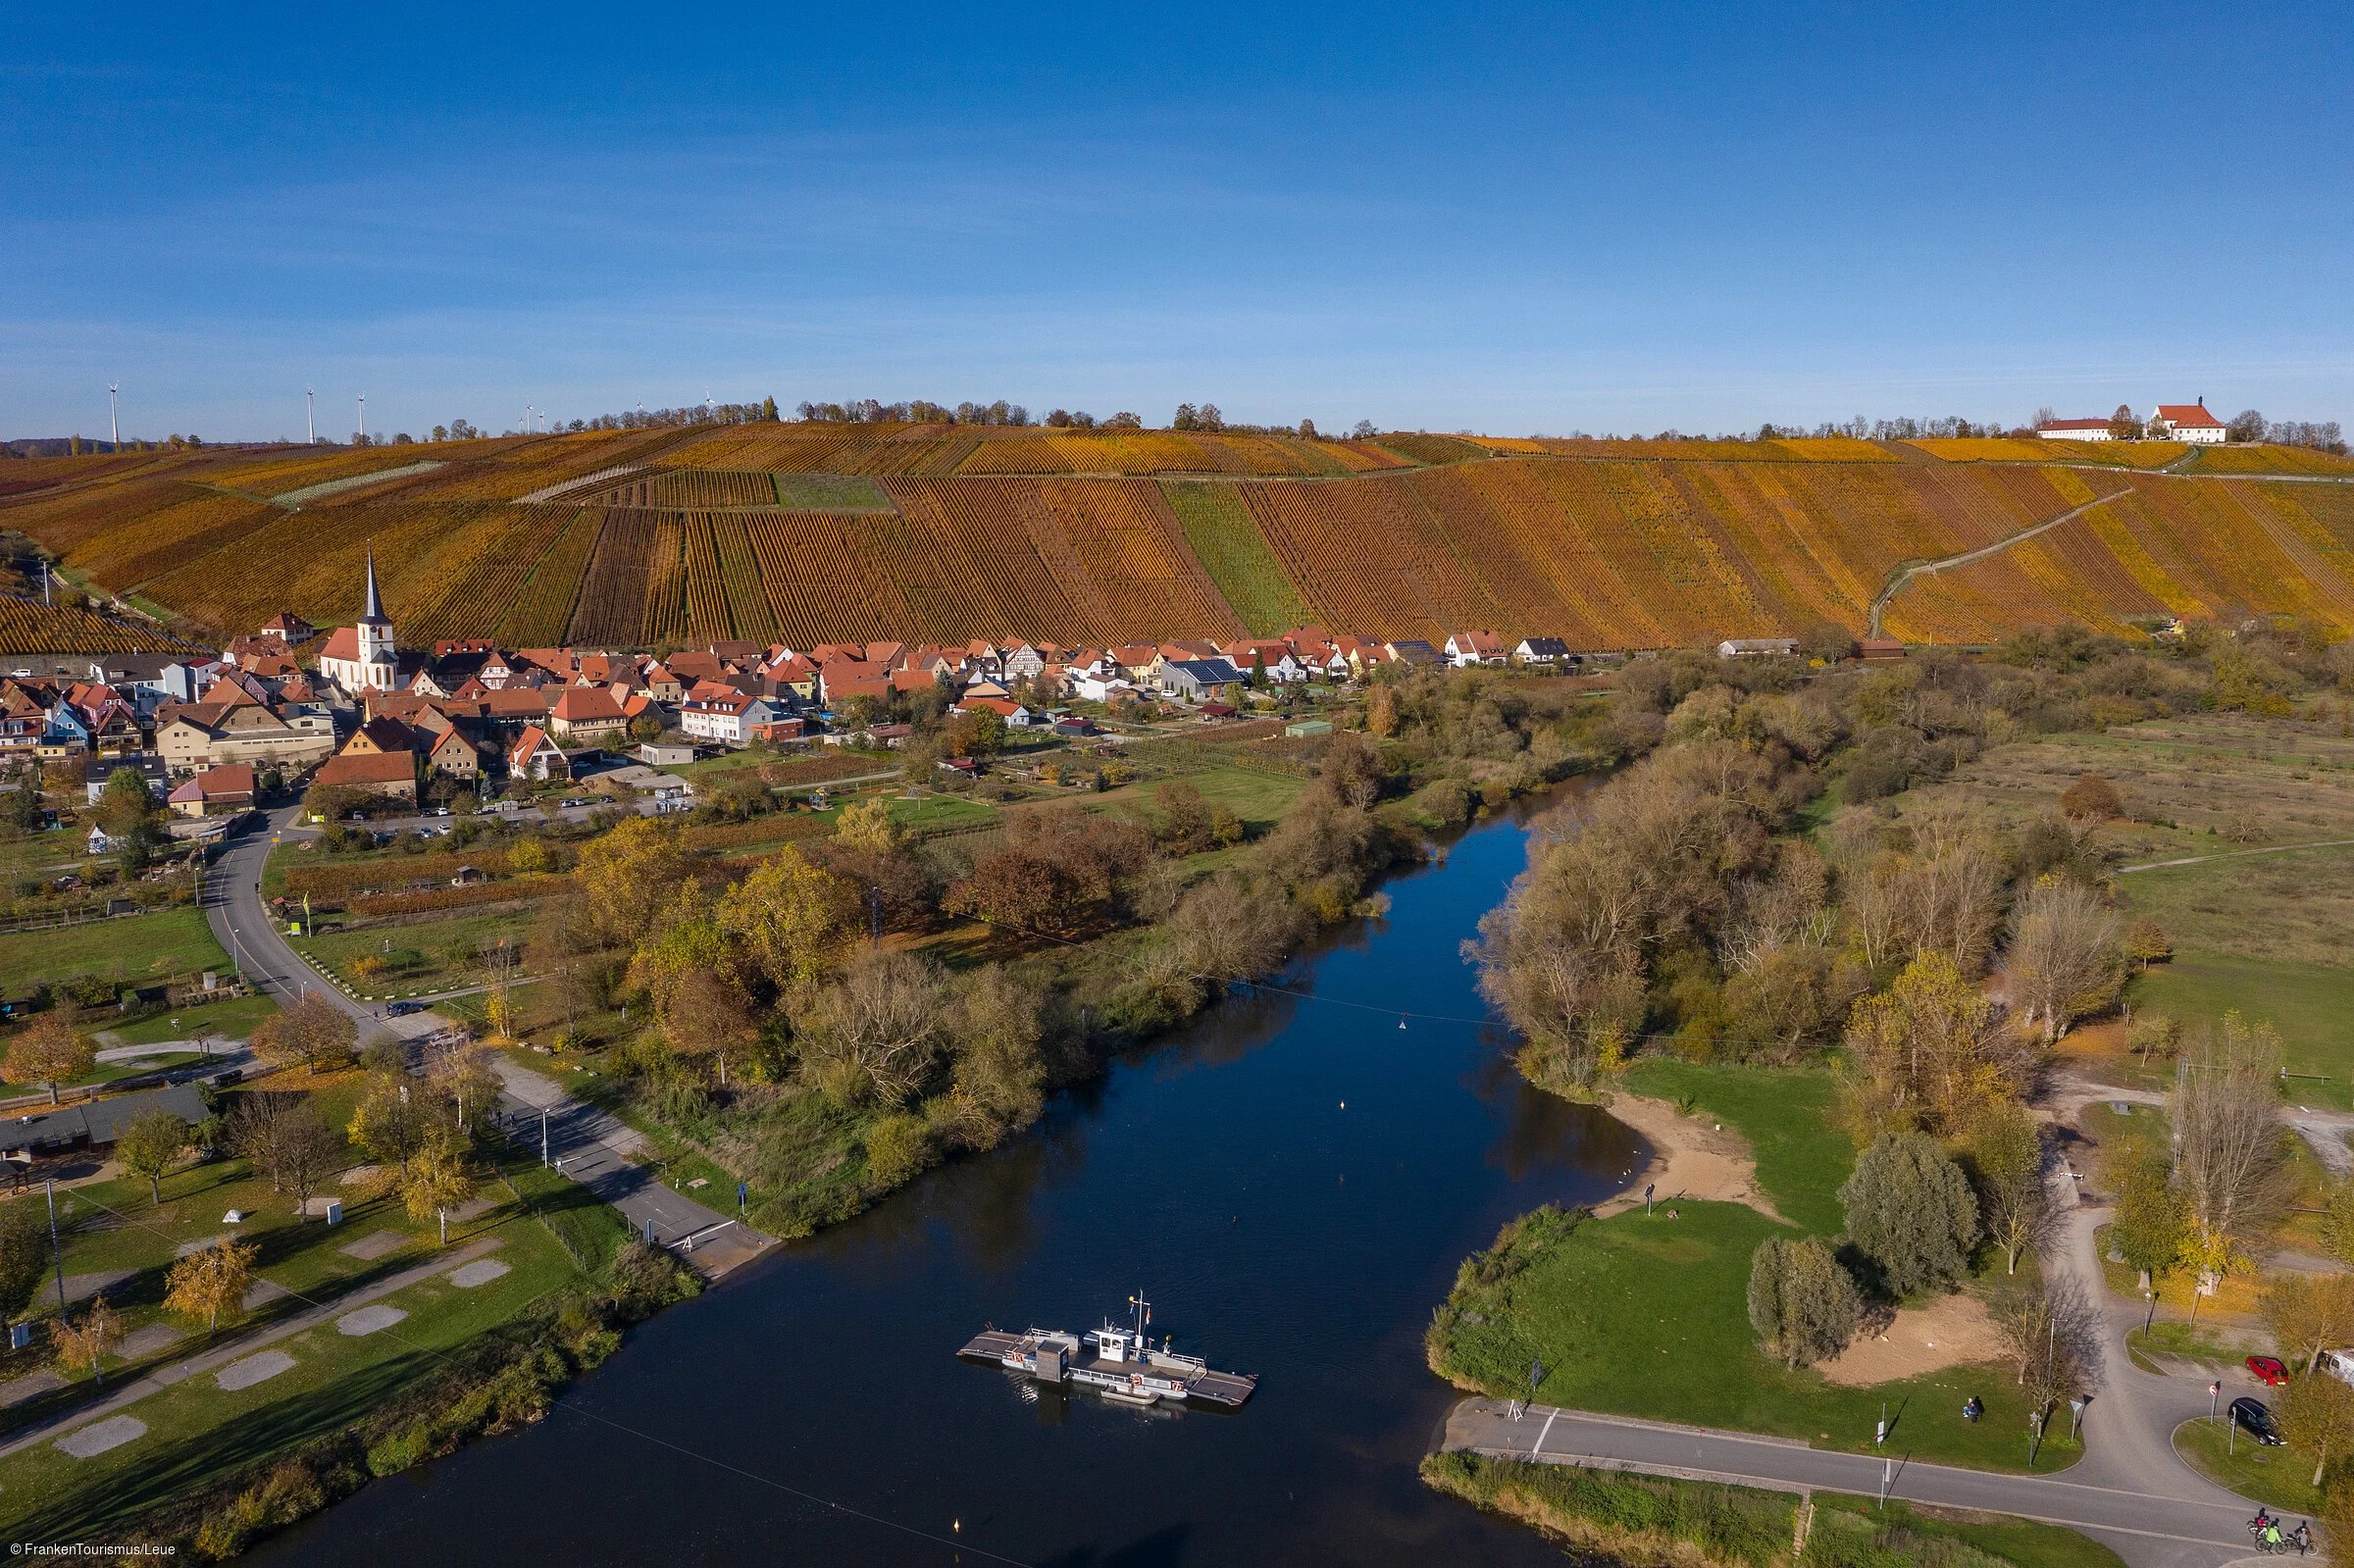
column 1120, row 1363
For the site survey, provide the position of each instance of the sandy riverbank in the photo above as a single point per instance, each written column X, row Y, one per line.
column 1691, row 1158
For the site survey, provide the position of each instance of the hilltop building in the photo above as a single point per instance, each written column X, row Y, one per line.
column 2187, row 422
column 2073, row 429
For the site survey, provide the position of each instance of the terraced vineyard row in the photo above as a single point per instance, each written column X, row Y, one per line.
column 1607, row 551
column 27, row 625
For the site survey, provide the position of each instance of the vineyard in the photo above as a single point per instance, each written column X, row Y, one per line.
column 27, row 625
column 804, row 533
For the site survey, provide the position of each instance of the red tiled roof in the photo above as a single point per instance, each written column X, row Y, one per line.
column 371, row 768
column 2193, row 415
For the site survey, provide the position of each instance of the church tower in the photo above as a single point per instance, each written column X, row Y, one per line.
column 377, row 655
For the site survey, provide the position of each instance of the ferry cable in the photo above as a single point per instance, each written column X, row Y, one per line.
column 952, row 1543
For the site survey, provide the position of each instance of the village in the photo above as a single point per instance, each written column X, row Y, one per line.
column 369, row 723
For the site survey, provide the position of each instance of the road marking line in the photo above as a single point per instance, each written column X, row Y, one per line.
column 1537, row 1446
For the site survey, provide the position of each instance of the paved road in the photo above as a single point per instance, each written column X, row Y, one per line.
column 593, row 1148
column 590, row 1142
column 2177, row 1527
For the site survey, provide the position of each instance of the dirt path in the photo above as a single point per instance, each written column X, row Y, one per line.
column 1694, row 1159
column 1897, row 584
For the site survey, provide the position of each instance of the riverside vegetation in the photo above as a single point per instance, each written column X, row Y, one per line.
column 1780, row 914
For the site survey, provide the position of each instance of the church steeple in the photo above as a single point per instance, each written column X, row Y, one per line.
column 374, row 609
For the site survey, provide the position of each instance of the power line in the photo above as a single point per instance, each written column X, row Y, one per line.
column 954, row 1544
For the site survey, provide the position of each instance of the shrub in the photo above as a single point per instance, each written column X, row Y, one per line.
column 1801, row 1303
column 897, row 1149
column 1910, row 1210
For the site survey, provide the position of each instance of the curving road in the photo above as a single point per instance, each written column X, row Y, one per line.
column 1896, row 584
column 588, row 1144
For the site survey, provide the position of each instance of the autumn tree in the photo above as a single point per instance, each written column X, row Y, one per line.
column 2308, row 1313
column 49, row 1050
column 869, row 824
column 2337, row 1221
column 464, row 1080
column 1928, row 1053
column 2124, row 425
column 629, row 874
column 438, row 1180
column 561, row 951
column 2317, row 1415
column 2005, row 1157
column 789, row 921
column 2065, row 960
column 2146, row 943
column 287, row 1141
column 1802, row 1304
column 2153, row 1219
column 314, row 1031
column 387, row 1123
column 211, row 1281
column 2091, row 798
column 1910, row 1210
column 1000, row 1074
column 149, row 1145
column 81, row 1342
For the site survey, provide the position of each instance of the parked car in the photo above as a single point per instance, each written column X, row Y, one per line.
column 403, row 1009
column 2269, row 1371
column 2255, row 1418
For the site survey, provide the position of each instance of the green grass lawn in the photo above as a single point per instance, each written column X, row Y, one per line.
column 447, row 951
column 36, row 852
column 1647, row 1316
column 144, row 949
column 197, row 1432
column 2312, row 1006
column 230, row 1019
column 1802, row 1158
column 2280, row 1478
column 1259, row 799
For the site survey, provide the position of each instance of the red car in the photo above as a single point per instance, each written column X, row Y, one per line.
column 2269, row 1371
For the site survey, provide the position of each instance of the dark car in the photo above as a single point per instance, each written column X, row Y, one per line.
column 403, row 1009
column 2255, row 1418
column 2269, row 1371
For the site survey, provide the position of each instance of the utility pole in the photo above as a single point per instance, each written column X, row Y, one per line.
column 56, row 1251
column 543, row 1134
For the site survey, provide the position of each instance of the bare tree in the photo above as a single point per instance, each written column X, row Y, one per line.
column 2065, row 959
column 879, row 1033
column 285, row 1137
column 2230, row 1154
column 2052, row 1333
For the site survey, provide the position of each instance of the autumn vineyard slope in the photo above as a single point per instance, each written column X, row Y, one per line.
column 809, row 532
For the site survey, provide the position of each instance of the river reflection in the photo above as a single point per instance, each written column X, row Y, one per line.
column 1291, row 1181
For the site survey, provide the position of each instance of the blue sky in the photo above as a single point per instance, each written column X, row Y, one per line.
column 1505, row 218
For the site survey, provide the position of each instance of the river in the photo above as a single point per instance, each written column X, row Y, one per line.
column 1291, row 1181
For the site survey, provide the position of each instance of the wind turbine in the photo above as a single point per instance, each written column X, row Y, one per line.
column 363, row 418
column 310, row 420
column 114, row 417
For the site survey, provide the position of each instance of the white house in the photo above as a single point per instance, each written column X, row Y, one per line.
column 728, row 719
column 1093, row 686
column 1467, row 648
column 1542, row 651
column 2187, row 422
column 1755, row 648
column 2073, row 429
